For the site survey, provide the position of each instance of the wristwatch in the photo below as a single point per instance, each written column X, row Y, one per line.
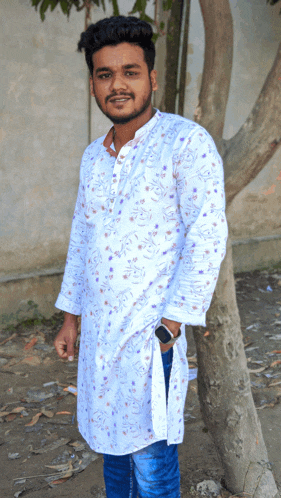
column 164, row 335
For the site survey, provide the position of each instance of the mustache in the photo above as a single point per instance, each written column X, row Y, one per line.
column 122, row 95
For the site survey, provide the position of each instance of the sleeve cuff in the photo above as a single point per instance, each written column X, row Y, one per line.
column 64, row 304
column 178, row 315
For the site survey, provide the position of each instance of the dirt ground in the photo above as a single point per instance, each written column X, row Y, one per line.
column 38, row 429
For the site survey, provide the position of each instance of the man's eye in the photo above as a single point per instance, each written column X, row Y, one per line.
column 105, row 75
column 131, row 73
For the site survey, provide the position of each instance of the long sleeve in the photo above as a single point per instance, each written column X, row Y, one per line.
column 70, row 295
column 200, row 188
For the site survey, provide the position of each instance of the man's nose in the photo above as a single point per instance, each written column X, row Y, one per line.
column 118, row 82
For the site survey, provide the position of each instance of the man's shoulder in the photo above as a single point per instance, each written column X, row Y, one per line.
column 94, row 146
column 181, row 131
column 179, row 124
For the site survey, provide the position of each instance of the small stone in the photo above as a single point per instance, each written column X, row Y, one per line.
column 13, row 456
column 209, row 488
column 3, row 361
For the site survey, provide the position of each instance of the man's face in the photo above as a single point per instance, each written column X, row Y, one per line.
column 121, row 83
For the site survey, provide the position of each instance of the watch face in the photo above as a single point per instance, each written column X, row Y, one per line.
column 163, row 334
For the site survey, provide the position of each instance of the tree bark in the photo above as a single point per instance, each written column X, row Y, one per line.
column 223, row 378
column 258, row 139
column 214, row 91
column 183, row 61
column 225, row 394
column 172, row 46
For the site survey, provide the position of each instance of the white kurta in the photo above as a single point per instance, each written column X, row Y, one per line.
column 148, row 236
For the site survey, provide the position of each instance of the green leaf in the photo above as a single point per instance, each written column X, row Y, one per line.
column 64, row 7
column 167, row 4
column 155, row 37
column 44, row 6
column 53, row 4
column 139, row 6
column 115, row 8
column 145, row 17
column 162, row 25
column 35, row 3
column 103, row 4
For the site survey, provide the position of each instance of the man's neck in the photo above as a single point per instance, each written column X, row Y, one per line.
column 126, row 132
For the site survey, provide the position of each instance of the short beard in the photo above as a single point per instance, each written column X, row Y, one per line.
column 127, row 119
column 133, row 115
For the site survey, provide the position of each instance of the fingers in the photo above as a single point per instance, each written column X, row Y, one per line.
column 61, row 348
column 70, row 350
column 65, row 347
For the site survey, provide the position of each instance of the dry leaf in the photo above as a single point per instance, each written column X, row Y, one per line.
column 19, row 409
column 71, row 389
column 274, row 383
column 64, row 413
column 248, row 344
column 257, row 370
column 207, row 333
column 267, row 405
column 52, row 446
column 47, row 413
column 30, row 344
column 34, row 361
column 274, row 363
column 34, row 419
column 10, row 417
column 61, row 480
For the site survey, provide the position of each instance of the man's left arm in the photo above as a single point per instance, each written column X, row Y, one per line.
column 200, row 189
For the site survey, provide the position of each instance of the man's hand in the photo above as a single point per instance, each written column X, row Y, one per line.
column 65, row 340
column 174, row 327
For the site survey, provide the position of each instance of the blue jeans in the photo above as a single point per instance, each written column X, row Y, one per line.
column 150, row 472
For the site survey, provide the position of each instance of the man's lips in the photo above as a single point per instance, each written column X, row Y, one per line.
column 119, row 99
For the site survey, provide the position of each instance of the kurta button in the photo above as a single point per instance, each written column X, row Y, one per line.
column 111, row 200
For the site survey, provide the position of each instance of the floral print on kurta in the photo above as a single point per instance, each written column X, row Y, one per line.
column 147, row 240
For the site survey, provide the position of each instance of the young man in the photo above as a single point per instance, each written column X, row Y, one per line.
column 148, row 236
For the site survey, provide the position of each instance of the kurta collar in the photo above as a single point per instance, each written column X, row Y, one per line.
column 139, row 133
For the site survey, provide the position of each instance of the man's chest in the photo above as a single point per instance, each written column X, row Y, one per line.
column 132, row 188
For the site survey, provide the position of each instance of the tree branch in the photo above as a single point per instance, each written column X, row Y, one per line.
column 213, row 96
column 258, row 139
column 183, row 60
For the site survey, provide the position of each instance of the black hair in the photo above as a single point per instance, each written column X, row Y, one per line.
column 114, row 30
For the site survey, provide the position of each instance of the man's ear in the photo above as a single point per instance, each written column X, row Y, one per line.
column 92, row 87
column 153, row 76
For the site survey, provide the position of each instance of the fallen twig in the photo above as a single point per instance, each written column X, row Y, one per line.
column 8, row 339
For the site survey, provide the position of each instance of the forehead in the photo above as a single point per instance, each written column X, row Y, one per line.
column 118, row 55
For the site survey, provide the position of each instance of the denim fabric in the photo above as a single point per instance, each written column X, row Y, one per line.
column 152, row 472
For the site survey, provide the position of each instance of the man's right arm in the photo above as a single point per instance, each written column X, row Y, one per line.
column 65, row 340
column 70, row 297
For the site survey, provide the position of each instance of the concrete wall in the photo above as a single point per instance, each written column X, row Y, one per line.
column 43, row 134
column 256, row 211
column 44, row 130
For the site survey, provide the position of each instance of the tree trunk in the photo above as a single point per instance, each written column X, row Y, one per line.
column 168, row 55
column 214, row 91
column 225, row 394
column 223, row 379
